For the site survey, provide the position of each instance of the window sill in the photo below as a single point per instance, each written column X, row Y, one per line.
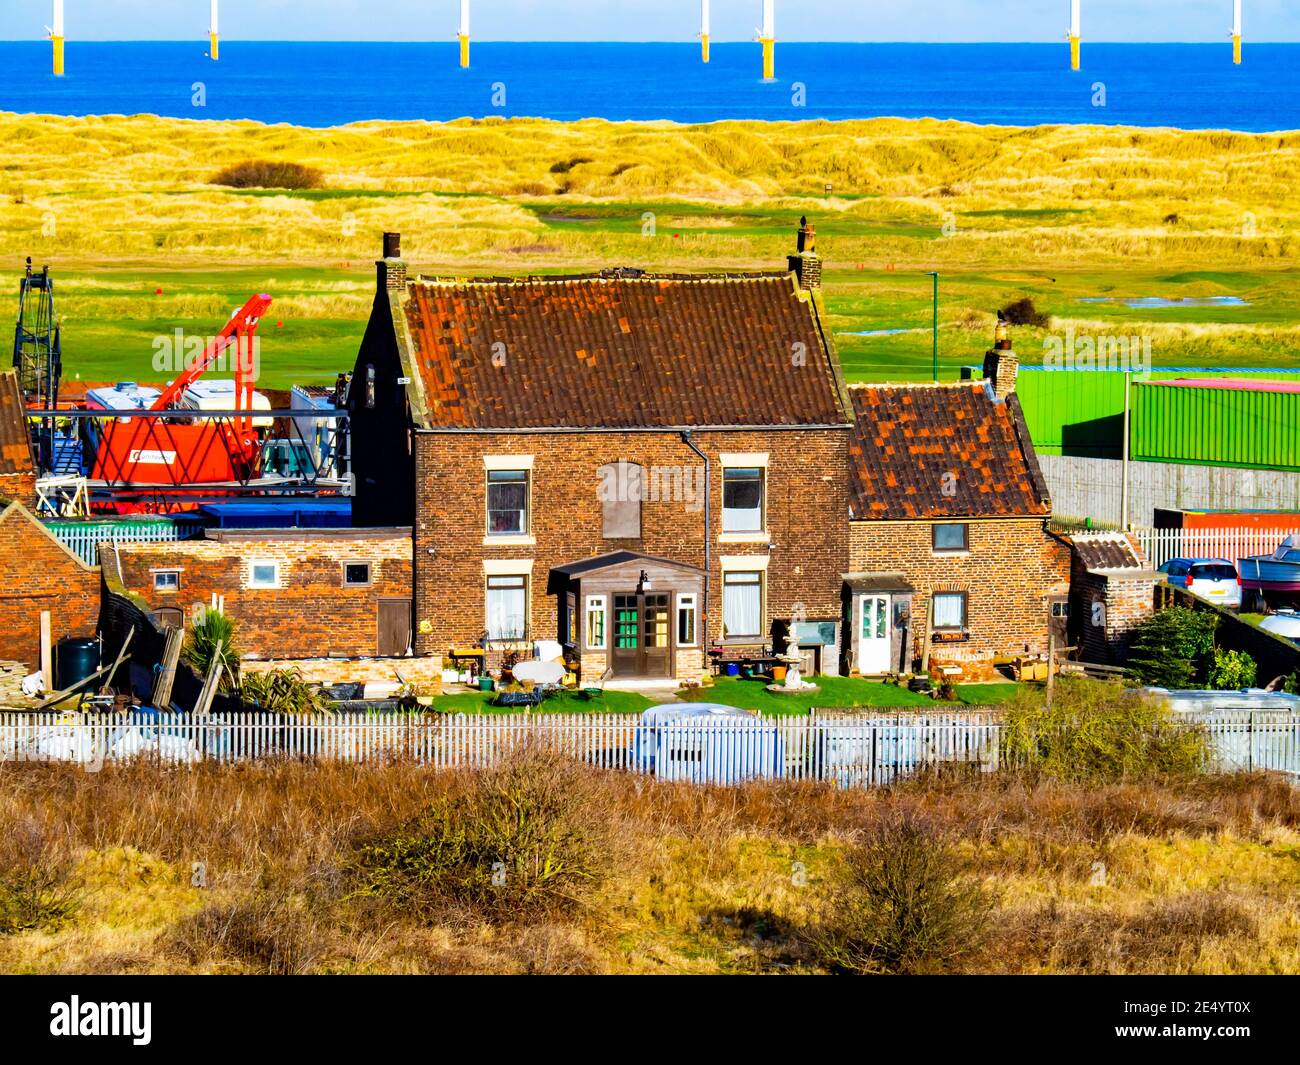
column 956, row 553
column 509, row 540
column 744, row 538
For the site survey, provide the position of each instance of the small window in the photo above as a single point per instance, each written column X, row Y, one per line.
column 356, row 574
column 950, row 611
column 742, row 605
column 166, row 580
column 263, row 574
column 951, row 538
column 507, row 608
column 1060, row 610
column 507, row 503
column 686, row 621
column 596, row 622
column 742, row 500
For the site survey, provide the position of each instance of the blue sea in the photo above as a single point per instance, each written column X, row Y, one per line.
column 327, row 84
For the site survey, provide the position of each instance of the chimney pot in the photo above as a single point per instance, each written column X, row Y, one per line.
column 804, row 263
column 392, row 245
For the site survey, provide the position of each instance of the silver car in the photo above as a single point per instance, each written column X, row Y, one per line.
column 1214, row 579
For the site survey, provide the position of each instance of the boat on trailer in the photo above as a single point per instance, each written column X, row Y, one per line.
column 1278, row 573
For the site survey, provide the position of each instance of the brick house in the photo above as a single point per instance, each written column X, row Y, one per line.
column 640, row 467
column 17, row 465
column 294, row 594
column 949, row 529
column 38, row 574
column 1112, row 591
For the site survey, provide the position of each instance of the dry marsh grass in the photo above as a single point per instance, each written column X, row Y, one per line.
column 1201, row 875
column 137, row 187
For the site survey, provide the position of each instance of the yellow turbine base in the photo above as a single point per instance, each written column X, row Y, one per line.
column 769, row 59
column 1236, row 49
column 1074, row 53
column 214, row 46
column 464, row 51
column 704, row 46
column 58, row 56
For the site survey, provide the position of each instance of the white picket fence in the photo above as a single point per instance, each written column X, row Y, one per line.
column 1160, row 545
column 849, row 750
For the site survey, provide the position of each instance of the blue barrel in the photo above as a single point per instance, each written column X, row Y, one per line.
column 75, row 659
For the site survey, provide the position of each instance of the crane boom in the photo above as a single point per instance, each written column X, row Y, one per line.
column 239, row 330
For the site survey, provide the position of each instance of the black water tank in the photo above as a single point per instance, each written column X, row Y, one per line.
column 75, row 659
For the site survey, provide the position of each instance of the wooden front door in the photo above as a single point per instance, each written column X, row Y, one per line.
column 642, row 635
column 394, row 627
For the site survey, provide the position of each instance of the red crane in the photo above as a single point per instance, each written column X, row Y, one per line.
column 158, row 454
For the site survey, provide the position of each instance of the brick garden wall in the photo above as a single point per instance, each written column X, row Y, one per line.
column 1009, row 574
column 807, row 504
column 38, row 573
column 311, row 616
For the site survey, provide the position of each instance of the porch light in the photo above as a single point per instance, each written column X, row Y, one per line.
column 643, row 585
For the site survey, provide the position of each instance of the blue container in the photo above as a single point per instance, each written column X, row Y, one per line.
column 733, row 670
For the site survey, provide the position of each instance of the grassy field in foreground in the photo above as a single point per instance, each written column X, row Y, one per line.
column 1200, row 877
column 122, row 208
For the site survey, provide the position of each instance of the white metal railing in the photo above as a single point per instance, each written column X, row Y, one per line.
column 1160, row 545
column 83, row 538
column 849, row 750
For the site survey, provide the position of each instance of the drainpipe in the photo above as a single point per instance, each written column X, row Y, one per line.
column 1123, row 487
column 708, row 526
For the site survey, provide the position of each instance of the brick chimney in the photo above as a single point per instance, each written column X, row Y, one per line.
column 392, row 267
column 1001, row 362
column 805, row 263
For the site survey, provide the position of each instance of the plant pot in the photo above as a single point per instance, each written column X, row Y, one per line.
column 733, row 670
column 778, row 674
column 485, row 684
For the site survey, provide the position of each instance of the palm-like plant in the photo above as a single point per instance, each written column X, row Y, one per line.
column 211, row 630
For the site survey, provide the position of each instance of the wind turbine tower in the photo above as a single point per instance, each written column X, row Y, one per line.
column 214, row 31
column 1236, row 32
column 704, row 29
column 56, row 37
column 463, row 33
column 767, row 37
column 1074, row 34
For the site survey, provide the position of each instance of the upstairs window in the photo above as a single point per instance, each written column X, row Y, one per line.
column 953, row 537
column 507, row 503
column 742, row 500
column 356, row 574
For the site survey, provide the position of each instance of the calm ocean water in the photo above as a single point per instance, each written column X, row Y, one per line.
column 1190, row 86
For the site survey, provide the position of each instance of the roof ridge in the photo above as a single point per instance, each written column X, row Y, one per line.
column 620, row 273
column 917, row 384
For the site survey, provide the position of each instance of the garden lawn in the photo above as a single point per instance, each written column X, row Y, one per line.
column 610, row 702
column 836, row 693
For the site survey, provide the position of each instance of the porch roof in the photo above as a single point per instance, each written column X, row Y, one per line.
column 877, row 582
column 618, row 558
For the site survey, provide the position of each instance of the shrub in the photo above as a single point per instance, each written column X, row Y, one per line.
column 265, row 174
column 563, row 167
column 1096, row 732
column 37, row 886
column 281, row 691
column 1232, row 670
column 264, row 933
column 901, row 904
column 529, row 837
column 200, row 649
column 1173, row 648
column 1023, row 312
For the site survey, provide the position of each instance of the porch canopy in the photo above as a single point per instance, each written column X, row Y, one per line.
column 638, row 609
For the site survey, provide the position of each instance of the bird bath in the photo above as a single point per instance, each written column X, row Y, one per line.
column 793, row 683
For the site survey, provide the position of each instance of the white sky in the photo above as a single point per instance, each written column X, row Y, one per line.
column 655, row 20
